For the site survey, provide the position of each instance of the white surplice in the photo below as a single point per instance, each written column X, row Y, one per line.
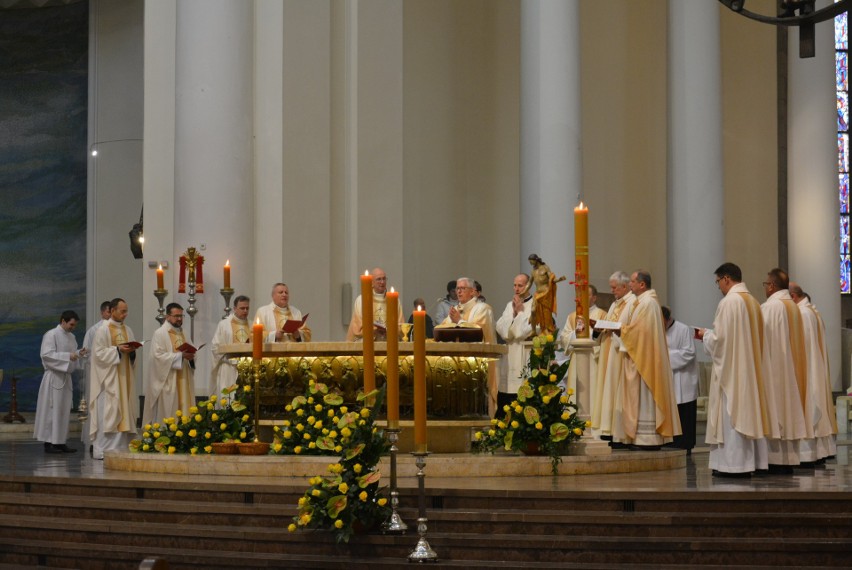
column 53, row 409
column 112, row 391
column 514, row 329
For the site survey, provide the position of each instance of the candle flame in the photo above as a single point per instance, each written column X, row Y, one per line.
column 581, row 205
column 228, row 263
column 419, row 307
column 392, row 290
column 257, row 321
column 366, row 272
column 159, row 267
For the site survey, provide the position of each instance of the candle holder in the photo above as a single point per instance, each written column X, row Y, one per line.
column 227, row 293
column 160, row 294
column 394, row 523
column 256, row 364
column 191, row 310
column 422, row 551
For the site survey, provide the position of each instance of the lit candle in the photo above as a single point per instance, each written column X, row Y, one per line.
column 367, row 332
column 257, row 340
column 227, row 279
column 581, row 265
column 160, row 276
column 420, row 380
column 392, row 302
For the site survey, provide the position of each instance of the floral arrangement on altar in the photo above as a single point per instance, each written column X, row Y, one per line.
column 219, row 419
column 349, row 495
column 542, row 420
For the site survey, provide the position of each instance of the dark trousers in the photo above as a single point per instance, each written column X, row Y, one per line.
column 687, row 413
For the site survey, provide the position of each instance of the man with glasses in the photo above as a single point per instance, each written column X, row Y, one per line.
column 737, row 420
column 170, row 385
column 380, row 325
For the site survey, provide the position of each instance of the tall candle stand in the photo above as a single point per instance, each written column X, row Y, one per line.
column 160, row 294
column 191, row 310
column 256, row 364
column 227, row 293
column 422, row 551
column 394, row 523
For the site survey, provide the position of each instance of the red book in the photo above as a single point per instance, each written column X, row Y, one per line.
column 186, row 347
column 292, row 326
column 131, row 344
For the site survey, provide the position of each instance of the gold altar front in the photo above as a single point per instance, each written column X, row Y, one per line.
column 456, row 375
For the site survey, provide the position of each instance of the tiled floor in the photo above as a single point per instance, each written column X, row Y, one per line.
column 26, row 458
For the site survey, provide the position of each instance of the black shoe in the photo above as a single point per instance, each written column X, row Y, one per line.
column 65, row 449
column 50, row 448
column 618, row 445
column 726, row 475
column 633, row 447
column 807, row 464
column 780, row 469
column 761, row 473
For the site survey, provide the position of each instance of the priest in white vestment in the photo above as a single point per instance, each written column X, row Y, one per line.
column 568, row 334
column 232, row 330
column 737, row 418
column 610, row 374
column 279, row 311
column 380, row 324
column 171, row 370
column 88, row 340
column 787, row 381
column 60, row 358
column 471, row 313
column 819, row 384
column 680, row 340
column 514, row 327
column 112, row 390
column 649, row 411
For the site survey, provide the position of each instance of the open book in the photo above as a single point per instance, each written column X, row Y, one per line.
column 186, row 347
column 291, row 326
column 602, row 325
column 132, row 344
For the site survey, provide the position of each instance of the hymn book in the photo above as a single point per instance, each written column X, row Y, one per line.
column 291, row 325
column 188, row 348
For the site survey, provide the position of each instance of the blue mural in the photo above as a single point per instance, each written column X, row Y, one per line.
column 43, row 121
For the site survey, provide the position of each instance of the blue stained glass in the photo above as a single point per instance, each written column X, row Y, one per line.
column 842, row 111
column 843, row 152
column 841, row 32
column 841, row 70
column 845, row 275
column 844, row 193
column 844, row 235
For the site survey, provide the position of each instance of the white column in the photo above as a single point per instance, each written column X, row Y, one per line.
column 551, row 176
column 213, row 161
column 695, row 215
column 812, row 192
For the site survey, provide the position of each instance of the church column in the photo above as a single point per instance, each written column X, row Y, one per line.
column 550, row 138
column 695, row 215
column 213, row 162
column 812, row 189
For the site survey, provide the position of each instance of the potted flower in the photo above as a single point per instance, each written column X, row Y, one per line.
column 543, row 419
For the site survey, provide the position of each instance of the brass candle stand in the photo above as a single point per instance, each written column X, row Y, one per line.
column 394, row 523
column 191, row 310
column 422, row 551
column 160, row 294
column 227, row 293
column 256, row 364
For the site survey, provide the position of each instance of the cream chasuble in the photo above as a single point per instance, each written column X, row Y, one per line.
column 610, row 373
column 112, row 379
column 819, row 392
column 273, row 318
column 567, row 336
column 170, row 385
column 228, row 331
column 356, row 325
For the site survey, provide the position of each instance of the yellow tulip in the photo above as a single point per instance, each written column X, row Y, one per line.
column 297, row 449
column 538, row 425
column 588, row 423
column 515, row 424
column 214, row 417
column 198, row 417
column 357, row 467
column 382, row 502
column 578, row 431
column 178, row 413
column 338, row 523
column 146, row 447
column 208, row 448
column 362, row 495
column 291, row 528
column 343, row 488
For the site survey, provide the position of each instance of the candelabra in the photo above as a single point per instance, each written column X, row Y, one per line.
column 191, row 310
column 160, row 294
column 394, row 523
column 226, row 293
column 256, row 364
column 422, row 551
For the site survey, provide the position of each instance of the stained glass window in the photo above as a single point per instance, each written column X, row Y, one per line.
column 841, row 80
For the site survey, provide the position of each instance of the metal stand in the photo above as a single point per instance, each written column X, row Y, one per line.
column 394, row 523
column 160, row 294
column 191, row 310
column 227, row 294
column 256, row 366
column 422, row 552
column 13, row 415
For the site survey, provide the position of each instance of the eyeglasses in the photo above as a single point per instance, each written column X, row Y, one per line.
column 463, row 288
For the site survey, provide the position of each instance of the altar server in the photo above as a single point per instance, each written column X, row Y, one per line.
column 679, row 338
column 514, row 327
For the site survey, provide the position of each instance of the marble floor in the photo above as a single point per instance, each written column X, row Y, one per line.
column 22, row 457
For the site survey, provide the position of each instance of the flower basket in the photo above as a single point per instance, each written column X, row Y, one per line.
column 253, row 448
column 223, row 448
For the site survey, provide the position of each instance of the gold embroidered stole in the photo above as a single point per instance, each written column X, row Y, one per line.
column 118, row 335
column 177, row 340
column 755, row 322
column 797, row 349
column 239, row 331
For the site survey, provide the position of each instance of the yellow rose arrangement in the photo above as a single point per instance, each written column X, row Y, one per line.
column 217, row 419
column 543, row 419
column 349, row 494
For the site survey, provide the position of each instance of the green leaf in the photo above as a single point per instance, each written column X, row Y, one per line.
column 365, row 396
column 507, row 440
column 531, row 415
column 335, row 505
column 333, row 399
column 534, row 373
column 559, row 432
column 238, row 406
column 355, row 451
column 525, row 391
column 369, row 479
column 299, row 401
column 325, row 443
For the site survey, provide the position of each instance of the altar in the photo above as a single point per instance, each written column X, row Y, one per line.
column 456, row 382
